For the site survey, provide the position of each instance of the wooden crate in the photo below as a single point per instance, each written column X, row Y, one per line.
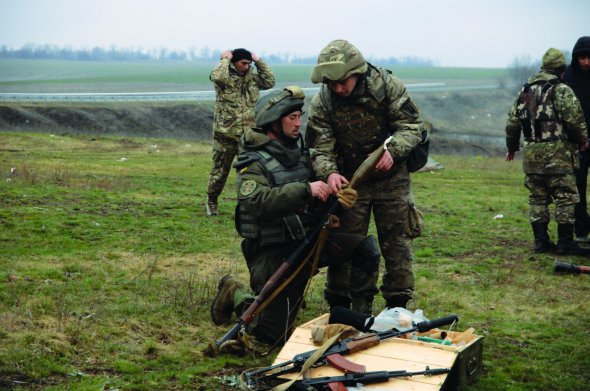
column 399, row 354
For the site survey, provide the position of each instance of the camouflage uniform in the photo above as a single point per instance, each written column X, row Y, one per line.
column 236, row 96
column 275, row 211
column 342, row 131
column 549, row 116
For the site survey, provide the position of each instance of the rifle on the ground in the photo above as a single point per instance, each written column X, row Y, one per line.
column 572, row 268
column 333, row 355
column 352, row 379
column 292, row 262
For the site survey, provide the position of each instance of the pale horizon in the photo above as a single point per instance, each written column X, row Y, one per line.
column 452, row 33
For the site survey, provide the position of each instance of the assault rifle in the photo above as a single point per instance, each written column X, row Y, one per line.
column 292, row 262
column 333, row 355
column 352, row 379
column 561, row 267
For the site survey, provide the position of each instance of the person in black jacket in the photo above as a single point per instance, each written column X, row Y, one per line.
column 577, row 76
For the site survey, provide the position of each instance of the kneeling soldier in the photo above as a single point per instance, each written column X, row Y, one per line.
column 279, row 203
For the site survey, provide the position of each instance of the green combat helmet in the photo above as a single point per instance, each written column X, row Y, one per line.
column 553, row 60
column 272, row 107
column 338, row 61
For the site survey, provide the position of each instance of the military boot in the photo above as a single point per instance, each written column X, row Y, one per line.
column 566, row 244
column 543, row 243
column 363, row 305
column 211, row 206
column 397, row 301
column 335, row 300
column 222, row 305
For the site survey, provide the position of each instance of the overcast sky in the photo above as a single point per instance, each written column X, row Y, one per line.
column 452, row 33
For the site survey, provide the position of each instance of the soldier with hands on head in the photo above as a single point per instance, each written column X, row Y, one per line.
column 358, row 107
column 237, row 89
column 548, row 115
column 577, row 76
column 279, row 202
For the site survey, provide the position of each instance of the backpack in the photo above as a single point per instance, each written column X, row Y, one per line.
column 418, row 157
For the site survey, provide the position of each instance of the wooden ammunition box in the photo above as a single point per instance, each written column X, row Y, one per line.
column 464, row 359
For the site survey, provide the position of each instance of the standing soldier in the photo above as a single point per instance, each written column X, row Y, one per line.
column 549, row 116
column 279, row 203
column 577, row 76
column 358, row 107
column 237, row 88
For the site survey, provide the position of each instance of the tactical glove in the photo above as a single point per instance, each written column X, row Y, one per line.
column 347, row 197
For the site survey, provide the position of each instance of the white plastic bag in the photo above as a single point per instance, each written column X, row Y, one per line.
column 397, row 318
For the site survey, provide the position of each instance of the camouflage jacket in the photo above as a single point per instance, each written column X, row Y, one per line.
column 272, row 183
column 342, row 131
column 236, row 96
column 551, row 156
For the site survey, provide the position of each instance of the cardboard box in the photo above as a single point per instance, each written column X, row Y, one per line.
column 395, row 354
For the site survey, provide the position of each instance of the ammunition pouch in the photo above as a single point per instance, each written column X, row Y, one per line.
column 291, row 228
column 414, row 222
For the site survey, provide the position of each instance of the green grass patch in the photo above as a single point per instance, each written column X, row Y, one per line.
column 108, row 266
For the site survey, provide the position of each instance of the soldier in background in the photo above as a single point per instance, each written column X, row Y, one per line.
column 279, row 202
column 237, row 88
column 549, row 116
column 358, row 107
column 577, row 76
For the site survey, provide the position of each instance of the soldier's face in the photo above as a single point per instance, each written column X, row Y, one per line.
column 584, row 62
column 344, row 87
column 291, row 124
column 242, row 66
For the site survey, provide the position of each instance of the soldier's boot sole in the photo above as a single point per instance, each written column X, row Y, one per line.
column 224, row 317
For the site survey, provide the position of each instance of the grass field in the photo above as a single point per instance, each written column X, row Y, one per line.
column 108, row 266
column 87, row 76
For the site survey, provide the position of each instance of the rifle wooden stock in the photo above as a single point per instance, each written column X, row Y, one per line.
column 358, row 344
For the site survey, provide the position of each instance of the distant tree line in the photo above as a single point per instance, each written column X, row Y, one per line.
column 54, row 52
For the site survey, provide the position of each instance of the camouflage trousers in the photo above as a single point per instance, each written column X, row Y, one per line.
column 389, row 200
column 275, row 323
column 224, row 152
column 544, row 189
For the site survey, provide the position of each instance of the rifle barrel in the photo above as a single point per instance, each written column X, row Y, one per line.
column 351, row 379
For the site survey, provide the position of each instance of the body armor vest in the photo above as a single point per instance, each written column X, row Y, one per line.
column 360, row 126
column 285, row 229
column 537, row 113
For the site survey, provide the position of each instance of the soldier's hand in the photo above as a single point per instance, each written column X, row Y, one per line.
column 585, row 147
column 509, row 156
column 227, row 54
column 336, row 181
column 385, row 163
column 347, row 197
column 319, row 190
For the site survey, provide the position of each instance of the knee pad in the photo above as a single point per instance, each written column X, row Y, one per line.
column 367, row 255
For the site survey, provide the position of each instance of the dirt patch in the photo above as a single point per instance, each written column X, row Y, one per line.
column 183, row 121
